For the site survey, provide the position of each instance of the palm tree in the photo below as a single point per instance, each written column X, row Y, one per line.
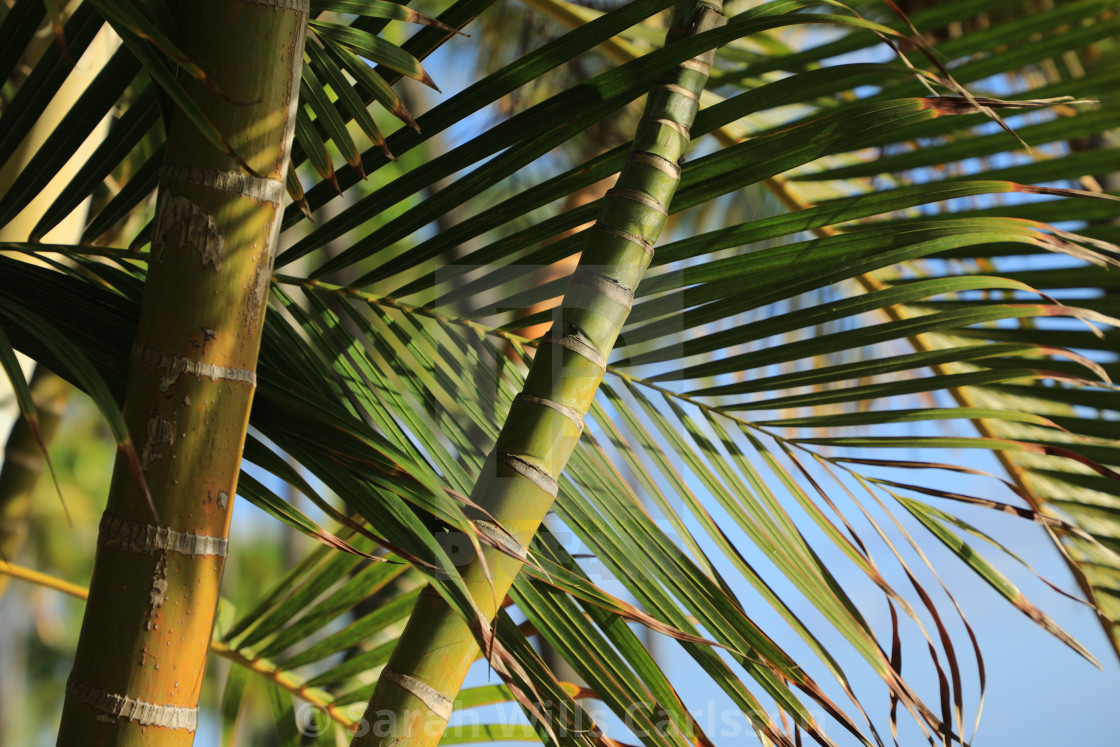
column 138, row 668
column 930, row 283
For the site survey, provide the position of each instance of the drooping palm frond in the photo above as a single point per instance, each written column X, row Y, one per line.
column 718, row 453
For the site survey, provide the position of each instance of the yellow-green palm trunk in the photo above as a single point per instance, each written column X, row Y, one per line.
column 142, row 652
column 518, row 484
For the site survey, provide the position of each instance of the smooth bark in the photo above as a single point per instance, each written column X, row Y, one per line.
column 142, row 652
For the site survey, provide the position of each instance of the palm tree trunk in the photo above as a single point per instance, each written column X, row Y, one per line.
column 142, row 651
column 518, row 484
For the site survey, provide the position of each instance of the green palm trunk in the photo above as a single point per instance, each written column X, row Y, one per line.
column 518, row 485
column 142, row 652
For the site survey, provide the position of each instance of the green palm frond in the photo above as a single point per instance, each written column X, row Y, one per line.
column 150, row 54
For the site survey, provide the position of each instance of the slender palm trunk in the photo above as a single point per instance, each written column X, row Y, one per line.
column 142, row 652
column 518, row 484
